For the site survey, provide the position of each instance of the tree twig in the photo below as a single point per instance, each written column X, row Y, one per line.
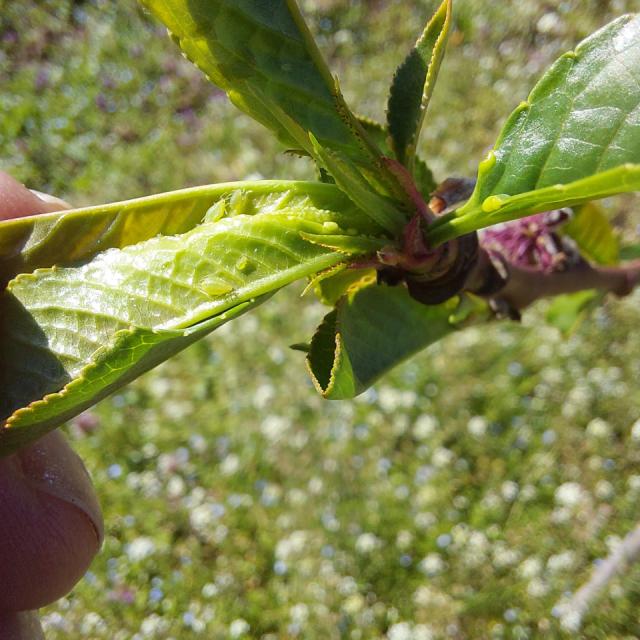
column 572, row 613
column 519, row 287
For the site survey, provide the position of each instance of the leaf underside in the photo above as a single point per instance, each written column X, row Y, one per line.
column 565, row 312
column 576, row 138
column 594, row 235
column 77, row 235
column 80, row 332
column 373, row 329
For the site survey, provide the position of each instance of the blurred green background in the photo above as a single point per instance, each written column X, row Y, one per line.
column 467, row 496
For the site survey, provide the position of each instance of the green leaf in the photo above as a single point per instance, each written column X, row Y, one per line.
column 263, row 55
column 576, row 138
column 422, row 174
column 567, row 311
column 80, row 332
column 413, row 85
column 373, row 329
column 333, row 286
column 592, row 232
column 74, row 236
column 380, row 208
column 131, row 353
column 630, row 252
column 502, row 208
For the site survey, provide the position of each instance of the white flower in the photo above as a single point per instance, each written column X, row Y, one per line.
column 530, row 568
column 426, row 519
column 604, row 490
column 353, row 604
column 477, row 426
column 404, row 539
column 274, row 427
column 400, row 631
column 537, row 588
column 561, row 562
column 599, row 428
column 509, row 490
column 367, row 542
column 209, row 590
column 422, row 632
column 175, row 487
column 635, row 431
column 442, row 457
column 154, row 625
column 293, row 545
column 391, row 399
column 263, row 395
column 432, row 564
column 550, row 23
column 569, row 494
column 230, row 465
column 425, row 596
column 140, row 548
column 238, row 627
column 634, row 482
column 202, row 517
column 504, row 557
column 299, row 613
column 91, row 623
column 425, row 426
column 571, row 621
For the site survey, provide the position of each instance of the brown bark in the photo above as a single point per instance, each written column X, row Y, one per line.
column 518, row 287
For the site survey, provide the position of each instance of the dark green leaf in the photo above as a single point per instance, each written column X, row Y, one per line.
column 413, row 85
column 262, row 54
column 576, row 138
column 373, row 329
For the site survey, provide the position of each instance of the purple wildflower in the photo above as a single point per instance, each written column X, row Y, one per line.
column 530, row 242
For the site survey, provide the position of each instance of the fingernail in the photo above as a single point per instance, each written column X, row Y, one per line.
column 58, row 203
column 52, row 467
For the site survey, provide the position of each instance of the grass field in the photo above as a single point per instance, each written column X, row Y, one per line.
column 468, row 495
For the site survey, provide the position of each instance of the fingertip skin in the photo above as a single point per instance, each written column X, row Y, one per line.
column 20, row 626
column 16, row 201
column 50, row 524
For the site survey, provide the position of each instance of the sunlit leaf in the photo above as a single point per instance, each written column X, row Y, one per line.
column 263, row 55
column 74, row 236
column 80, row 332
column 576, row 138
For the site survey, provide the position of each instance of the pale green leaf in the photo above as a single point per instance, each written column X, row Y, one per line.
column 334, row 285
column 79, row 332
column 502, row 208
column 130, row 353
column 565, row 312
column 378, row 207
column 592, row 232
column 422, row 174
column 76, row 235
